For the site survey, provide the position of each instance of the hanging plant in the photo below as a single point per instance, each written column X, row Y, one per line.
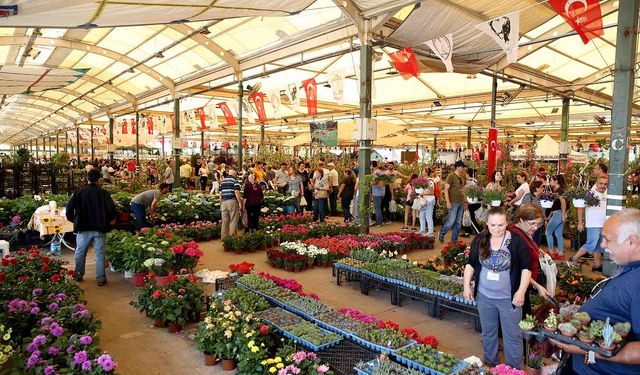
column 21, row 157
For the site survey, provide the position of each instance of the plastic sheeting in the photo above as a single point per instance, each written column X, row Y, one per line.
column 26, row 80
column 102, row 13
column 473, row 50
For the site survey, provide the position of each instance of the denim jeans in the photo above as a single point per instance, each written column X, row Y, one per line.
column 555, row 227
column 426, row 218
column 319, row 209
column 377, row 204
column 140, row 213
column 494, row 313
column 83, row 240
column 454, row 221
column 345, row 200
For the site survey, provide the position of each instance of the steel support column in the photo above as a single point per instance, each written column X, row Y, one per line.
column 78, row 144
column 240, row 94
column 366, row 76
column 176, row 141
column 202, row 144
column 564, row 131
column 623, row 87
column 93, row 155
column 57, row 143
column 137, row 142
column 66, row 142
column 49, row 142
column 468, row 152
column 37, row 151
column 111, row 146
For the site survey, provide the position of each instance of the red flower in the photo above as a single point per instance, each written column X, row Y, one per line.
column 55, row 278
column 151, row 275
column 159, row 232
column 389, row 324
column 173, row 278
column 45, row 268
column 430, row 340
column 181, row 290
column 13, row 260
column 192, row 278
column 71, row 272
column 45, row 259
column 23, row 278
column 4, row 262
column 157, row 294
column 184, row 271
column 178, row 249
column 144, row 230
column 169, row 235
column 2, row 277
column 264, row 329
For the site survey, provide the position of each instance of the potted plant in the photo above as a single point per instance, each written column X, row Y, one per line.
column 547, row 198
column 567, row 329
column 608, row 336
column 494, row 196
column 576, row 194
column 474, row 193
column 528, row 323
column 205, row 338
column 551, row 322
column 534, row 363
column 622, row 328
column 586, row 336
column 582, row 317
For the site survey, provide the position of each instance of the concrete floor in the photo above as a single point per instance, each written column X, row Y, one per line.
column 141, row 349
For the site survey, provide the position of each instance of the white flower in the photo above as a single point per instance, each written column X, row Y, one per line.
column 149, row 262
column 158, row 262
column 151, row 248
column 37, row 198
column 415, row 262
column 264, row 210
column 164, row 243
column 404, row 257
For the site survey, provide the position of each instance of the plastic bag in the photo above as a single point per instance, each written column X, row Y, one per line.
column 303, row 201
column 392, row 207
column 481, row 213
column 466, row 219
column 244, row 217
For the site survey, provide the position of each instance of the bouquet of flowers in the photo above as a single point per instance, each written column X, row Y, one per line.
column 452, row 249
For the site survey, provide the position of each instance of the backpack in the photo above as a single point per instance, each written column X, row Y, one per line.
column 437, row 189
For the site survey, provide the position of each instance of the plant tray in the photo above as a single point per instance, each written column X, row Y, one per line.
column 376, row 347
column 342, row 357
column 315, row 348
column 327, row 326
column 594, row 347
column 368, row 367
column 422, row 368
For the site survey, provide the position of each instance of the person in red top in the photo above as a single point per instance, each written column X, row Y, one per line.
column 527, row 220
column 131, row 166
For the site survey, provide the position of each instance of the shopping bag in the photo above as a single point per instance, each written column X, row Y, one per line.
column 303, row 202
column 481, row 213
column 244, row 217
column 466, row 219
column 392, row 207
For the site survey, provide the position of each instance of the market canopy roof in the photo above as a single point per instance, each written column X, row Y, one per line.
column 144, row 66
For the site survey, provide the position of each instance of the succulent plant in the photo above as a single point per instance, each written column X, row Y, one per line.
column 567, row 311
column 567, row 329
column 585, row 336
column 595, row 328
column 551, row 321
column 583, row 317
column 576, row 323
column 608, row 334
column 622, row 328
column 528, row 323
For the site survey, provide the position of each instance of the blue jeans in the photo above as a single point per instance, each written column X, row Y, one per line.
column 319, row 209
column 555, row 227
column 345, row 200
column 377, row 205
column 494, row 313
column 454, row 221
column 426, row 218
column 140, row 213
column 83, row 240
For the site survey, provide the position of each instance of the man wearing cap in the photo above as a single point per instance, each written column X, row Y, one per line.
column 456, row 201
column 333, row 197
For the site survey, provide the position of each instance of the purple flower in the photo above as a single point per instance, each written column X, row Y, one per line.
column 35, row 310
column 86, row 340
column 322, row 369
column 86, row 366
column 32, row 347
column 71, row 349
column 49, row 370
column 80, row 357
column 53, row 306
column 54, row 350
column 57, row 332
column 106, row 362
column 61, row 296
column 46, row 320
column 33, row 359
column 40, row 340
column 37, row 292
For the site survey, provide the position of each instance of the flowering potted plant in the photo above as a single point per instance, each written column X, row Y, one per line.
column 547, row 198
column 241, row 268
column 205, row 338
column 494, row 196
column 186, row 256
column 420, row 184
column 451, row 251
column 577, row 194
column 474, row 193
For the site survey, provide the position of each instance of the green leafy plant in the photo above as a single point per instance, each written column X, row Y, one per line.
column 491, row 195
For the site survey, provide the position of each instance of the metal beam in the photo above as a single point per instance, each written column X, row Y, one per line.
column 38, row 107
column 364, row 159
column 87, row 99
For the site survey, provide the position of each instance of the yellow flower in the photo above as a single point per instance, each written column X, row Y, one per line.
column 263, row 362
column 255, row 349
column 277, row 359
column 272, row 370
column 280, row 365
column 46, row 220
column 6, row 337
column 251, row 343
column 228, row 334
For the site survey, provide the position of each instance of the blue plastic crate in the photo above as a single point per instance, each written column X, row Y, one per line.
column 376, row 347
column 305, row 343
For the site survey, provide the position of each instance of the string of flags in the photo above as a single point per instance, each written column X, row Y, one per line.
column 584, row 16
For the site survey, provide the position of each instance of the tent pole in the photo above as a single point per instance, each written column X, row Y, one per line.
column 78, row 144
column 240, row 94
column 564, row 130
column 92, row 144
column 137, row 142
column 176, row 140
column 111, row 147
column 366, row 76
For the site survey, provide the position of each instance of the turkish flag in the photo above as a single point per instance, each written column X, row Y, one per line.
column 200, row 112
column 231, row 120
column 125, row 125
column 149, row 125
column 258, row 100
column 493, row 150
column 311, row 89
column 405, row 63
column 585, row 16
column 133, row 126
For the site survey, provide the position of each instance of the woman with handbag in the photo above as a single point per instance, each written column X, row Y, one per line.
column 320, row 195
column 345, row 193
column 295, row 188
column 254, row 197
column 426, row 203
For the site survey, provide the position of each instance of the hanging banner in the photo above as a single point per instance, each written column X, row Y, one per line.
column 200, row 113
column 276, row 101
column 293, row 94
column 149, row 125
column 171, row 117
column 336, row 81
column 405, row 63
column 231, row 120
column 213, row 116
column 584, row 16
column 443, row 48
column 325, row 132
column 505, row 31
column 124, row 125
column 258, row 100
column 311, row 90
column 133, row 126
column 493, row 150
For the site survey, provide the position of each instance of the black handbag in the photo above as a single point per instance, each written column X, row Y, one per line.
column 566, row 365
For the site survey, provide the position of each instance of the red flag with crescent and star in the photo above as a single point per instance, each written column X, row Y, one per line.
column 585, row 16
column 405, row 62
column 200, row 113
column 311, row 89
column 133, row 126
column 493, row 150
column 227, row 113
column 258, row 100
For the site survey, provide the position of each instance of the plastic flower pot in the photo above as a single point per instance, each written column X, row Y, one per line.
column 174, row 327
column 128, row 274
column 532, row 371
column 158, row 323
column 163, row 280
column 496, row 203
column 138, row 279
column 579, row 203
column 210, row 360
column 228, row 364
column 546, row 203
column 472, row 200
column 238, row 251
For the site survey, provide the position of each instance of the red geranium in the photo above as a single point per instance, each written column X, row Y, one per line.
column 430, row 340
column 144, row 230
column 4, row 262
column 389, row 324
column 178, row 249
column 45, row 268
column 157, row 294
column 169, row 235
column 2, row 277
column 46, row 259
column 23, row 278
column 55, row 278
column 264, row 329
column 242, row 268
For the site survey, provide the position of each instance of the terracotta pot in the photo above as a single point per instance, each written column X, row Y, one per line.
column 158, row 323
column 586, row 341
column 288, row 268
column 174, row 327
column 238, row 251
column 296, row 269
column 138, row 279
column 163, row 280
column 609, row 348
column 225, row 247
column 210, row 360
column 532, row 371
column 228, row 364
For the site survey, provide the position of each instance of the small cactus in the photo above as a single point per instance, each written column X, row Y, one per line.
column 622, row 328
column 608, row 334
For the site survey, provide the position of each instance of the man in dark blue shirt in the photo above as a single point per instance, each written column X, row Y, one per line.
column 617, row 298
column 231, row 203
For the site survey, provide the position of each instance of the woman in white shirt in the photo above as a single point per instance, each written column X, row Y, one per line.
column 522, row 190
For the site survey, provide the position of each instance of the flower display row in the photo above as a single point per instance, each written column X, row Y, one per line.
column 296, row 256
column 46, row 327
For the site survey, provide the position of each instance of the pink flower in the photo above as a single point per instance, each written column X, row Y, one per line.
column 322, row 369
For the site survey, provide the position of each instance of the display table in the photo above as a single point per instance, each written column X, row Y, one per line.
column 52, row 224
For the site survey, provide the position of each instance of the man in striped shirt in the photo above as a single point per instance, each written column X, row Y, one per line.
column 230, row 203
